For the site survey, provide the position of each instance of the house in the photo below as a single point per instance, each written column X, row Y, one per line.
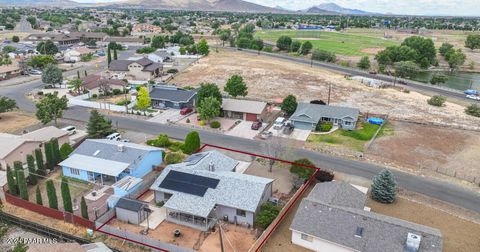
column 145, row 29
column 17, row 147
column 141, row 69
column 9, row 71
column 168, row 96
column 107, row 161
column 124, row 187
column 157, row 57
column 131, row 211
column 308, row 115
column 97, row 85
column 59, row 38
column 124, row 41
column 333, row 217
column 206, row 187
column 75, row 54
column 244, row 109
column 3, row 185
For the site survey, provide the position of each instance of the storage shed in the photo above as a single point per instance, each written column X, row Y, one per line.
column 131, row 211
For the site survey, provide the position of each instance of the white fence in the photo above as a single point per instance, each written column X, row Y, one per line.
column 81, row 101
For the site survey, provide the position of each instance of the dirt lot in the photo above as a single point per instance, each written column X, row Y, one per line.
column 458, row 235
column 270, row 79
column 448, row 151
column 235, row 239
column 15, row 121
column 283, row 183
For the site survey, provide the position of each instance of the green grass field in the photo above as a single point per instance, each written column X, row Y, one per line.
column 339, row 43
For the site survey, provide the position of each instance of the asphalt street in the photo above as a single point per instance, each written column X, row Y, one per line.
column 431, row 187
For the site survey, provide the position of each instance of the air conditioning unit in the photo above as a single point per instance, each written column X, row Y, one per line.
column 413, row 242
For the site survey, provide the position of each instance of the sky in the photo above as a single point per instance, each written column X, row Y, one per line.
column 409, row 7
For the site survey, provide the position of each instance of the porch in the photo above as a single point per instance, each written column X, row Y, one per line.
column 190, row 220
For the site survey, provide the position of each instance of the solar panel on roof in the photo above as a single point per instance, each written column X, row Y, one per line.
column 195, row 158
column 188, row 183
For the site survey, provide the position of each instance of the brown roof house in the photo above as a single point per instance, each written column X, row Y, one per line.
column 145, row 29
column 17, row 147
column 244, row 109
column 141, row 69
column 9, row 71
column 95, row 84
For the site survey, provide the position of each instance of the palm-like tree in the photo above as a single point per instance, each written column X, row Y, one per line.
column 76, row 85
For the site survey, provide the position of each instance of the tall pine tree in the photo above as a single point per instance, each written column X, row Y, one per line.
column 22, row 185
column 56, row 150
column 384, row 187
column 12, row 185
column 52, row 195
column 17, row 166
column 98, row 126
column 66, row 197
column 49, row 155
column 115, row 57
column 32, row 174
column 38, row 196
column 83, row 208
column 109, row 56
column 40, row 163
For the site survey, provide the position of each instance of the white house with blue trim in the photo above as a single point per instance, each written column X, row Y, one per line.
column 105, row 161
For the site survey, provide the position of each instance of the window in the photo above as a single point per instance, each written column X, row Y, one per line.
column 307, row 237
column 74, row 171
column 359, row 232
column 241, row 213
column 347, row 123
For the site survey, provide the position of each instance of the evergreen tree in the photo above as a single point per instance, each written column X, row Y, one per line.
column 17, row 166
column 289, row 104
column 55, row 151
column 12, row 186
column 83, row 208
column 115, row 57
column 52, row 195
column 65, row 150
column 31, row 170
column 383, row 187
column 85, row 73
column 192, row 143
column 98, row 126
column 109, row 56
column 22, row 184
column 40, row 163
column 38, row 196
column 49, row 155
column 78, row 74
column 66, row 197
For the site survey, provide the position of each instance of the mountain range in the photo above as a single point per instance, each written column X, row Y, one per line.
column 201, row 5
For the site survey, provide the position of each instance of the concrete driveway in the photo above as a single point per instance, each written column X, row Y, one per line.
column 244, row 130
column 168, row 115
column 157, row 216
column 297, row 134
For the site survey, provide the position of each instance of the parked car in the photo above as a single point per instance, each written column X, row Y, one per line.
column 288, row 129
column 256, row 125
column 185, row 111
column 124, row 140
column 34, row 72
column 70, row 129
column 100, row 53
column 279, row 123
column 402, row 82
column 114, row 136
column 471, row 92
column 266, row 134
column 474, row 97
column 372, row 72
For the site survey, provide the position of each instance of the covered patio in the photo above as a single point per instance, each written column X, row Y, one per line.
column 190, row 220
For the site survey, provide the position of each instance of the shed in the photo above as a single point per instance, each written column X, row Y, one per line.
column 131, row 211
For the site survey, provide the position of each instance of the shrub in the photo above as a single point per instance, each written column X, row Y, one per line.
column 268, row 213
column 175, row 146
column 94, row 96
column 172, row 71
column 117, row 91
column 322, row 55
column 65, row 150
column 345, row 63
column 188, row 120
column 192, row 143
column 437, row 100
column 324, row 176
column 473, row 110
column 160, row 203
column 302, row 167
column 201, row 123
column 268, row 49
column 215, row 124
column 123, row 102
column 40, row 93
column 324, row 127
column 173, row 158
column 147, row 49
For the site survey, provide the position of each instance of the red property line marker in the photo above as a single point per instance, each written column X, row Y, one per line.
column 242, row 152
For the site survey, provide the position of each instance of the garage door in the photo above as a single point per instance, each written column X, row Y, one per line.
column 251, row 117
column 302, row 125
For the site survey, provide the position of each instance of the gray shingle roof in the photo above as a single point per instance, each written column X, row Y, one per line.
column 338, row 224
column 130, row 204
column 152, row 67
column 234, row 190
column 339, row 194
column 108, row 149
column 307, row 112
column 144, row 61
column 119, row 65
column 171, row 93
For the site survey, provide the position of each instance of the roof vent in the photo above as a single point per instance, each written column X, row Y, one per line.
column 96, row 152
column 120, row 147
column 413, row 242
column 359, row 232
column 211, row 167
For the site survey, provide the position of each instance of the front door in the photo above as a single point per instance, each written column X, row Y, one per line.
column 91, row 177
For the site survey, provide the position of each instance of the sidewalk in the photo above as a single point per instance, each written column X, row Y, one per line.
column 18, row 80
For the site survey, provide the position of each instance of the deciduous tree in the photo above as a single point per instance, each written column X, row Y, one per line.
column 289, row 104
column 143, row 99
column 47, row 47
column 208, row 90
column 364, row 63
column 202, row 47
column 65, row 150
column 473, row 41
column 236, row 86
column 306, row 47
column 192, row 143
column 7, row 104
column 209, row 108
column 284, row 42
column 51, row 107
column 52, row 75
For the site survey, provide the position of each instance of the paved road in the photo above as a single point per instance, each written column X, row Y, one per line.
column 431, row 187
column 352, row 71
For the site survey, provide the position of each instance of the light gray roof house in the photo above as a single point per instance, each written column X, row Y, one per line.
column 230, row 189
column 334, row 212
column 312, row 113
column 122, row 65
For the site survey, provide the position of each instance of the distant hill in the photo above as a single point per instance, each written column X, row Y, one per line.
column 203, row 5
column 55, row 3
column 335, row 8
column 317, row 10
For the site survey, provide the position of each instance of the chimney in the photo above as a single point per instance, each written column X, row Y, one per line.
column 211, row 167
column 120, row 147
column 413, row 242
